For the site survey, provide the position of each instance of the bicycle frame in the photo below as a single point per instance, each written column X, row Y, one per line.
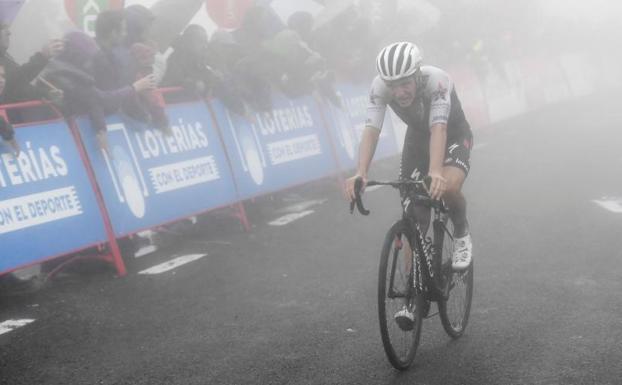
column 425, row 274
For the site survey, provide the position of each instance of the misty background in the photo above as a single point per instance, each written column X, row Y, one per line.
column 448, row 31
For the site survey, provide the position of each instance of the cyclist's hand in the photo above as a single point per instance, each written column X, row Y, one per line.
column 438, row 185
column 349, row 186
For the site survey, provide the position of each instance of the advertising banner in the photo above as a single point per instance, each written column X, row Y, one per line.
column 280, row 148
column 149, row 178
column 46, row 200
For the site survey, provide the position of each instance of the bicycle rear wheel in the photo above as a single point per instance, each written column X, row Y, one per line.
column 395, row 292
column 455, row 309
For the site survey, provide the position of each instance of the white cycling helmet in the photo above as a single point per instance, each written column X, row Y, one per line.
column 398, row 60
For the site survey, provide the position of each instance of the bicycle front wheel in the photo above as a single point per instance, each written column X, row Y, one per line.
column 395, row 295
column 455, row 309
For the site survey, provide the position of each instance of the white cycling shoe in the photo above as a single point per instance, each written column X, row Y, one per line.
column 405, row 319
column 463, row 251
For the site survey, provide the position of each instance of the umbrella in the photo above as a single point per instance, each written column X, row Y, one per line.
column 171, row 17
column 421, row 14
column 9, row 9
column 285, row 8
column 331, row 11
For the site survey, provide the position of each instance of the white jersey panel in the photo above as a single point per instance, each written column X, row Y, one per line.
column 435, row 86
column 438, row 90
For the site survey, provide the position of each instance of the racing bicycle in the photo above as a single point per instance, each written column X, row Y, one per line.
column 416, row 270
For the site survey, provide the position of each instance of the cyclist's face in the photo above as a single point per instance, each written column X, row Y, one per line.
column 403, row 90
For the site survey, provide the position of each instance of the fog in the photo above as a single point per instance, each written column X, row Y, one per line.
column 289, row 296
column 532, row 24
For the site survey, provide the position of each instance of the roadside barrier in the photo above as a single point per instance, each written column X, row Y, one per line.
column 149, row 179
column 212, row 159
column 277, row 149
column 48, row 204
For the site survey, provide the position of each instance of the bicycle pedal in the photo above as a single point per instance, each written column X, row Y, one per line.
column 431, row 315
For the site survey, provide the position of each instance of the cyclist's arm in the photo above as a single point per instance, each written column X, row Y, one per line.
column 376, row 110
column 439, row 88
column 438, row 143
column 367, row 148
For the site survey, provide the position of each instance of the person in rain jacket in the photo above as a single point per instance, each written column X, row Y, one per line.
column 189, row 66
column 6, row 129
column 72, row 72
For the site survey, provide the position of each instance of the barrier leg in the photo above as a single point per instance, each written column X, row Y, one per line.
column 103, row 257
column 240, row 213
column 115, row 253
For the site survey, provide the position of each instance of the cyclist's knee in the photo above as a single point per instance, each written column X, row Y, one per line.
column 454, row 189
column 455, row 178
column 453, row 195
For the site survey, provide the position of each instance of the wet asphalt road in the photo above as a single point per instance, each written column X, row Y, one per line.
column 296, row 304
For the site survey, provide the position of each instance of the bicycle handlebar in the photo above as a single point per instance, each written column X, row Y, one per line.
column 358, row 185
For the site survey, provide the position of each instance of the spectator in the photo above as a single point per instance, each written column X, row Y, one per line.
column 111, row 62
column 188, row 66
column 144, row 57
column 72, row 71
column 302, row 23
column 259, row 24
column 6, row 130
column 139, row 30
column 350, row 54
column 302, row 68
column 139, row 22
column 257, row 27
column 115, row 67
column 18, row 77
column 243, row 75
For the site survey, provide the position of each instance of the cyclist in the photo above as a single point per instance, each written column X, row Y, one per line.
column 438, row 138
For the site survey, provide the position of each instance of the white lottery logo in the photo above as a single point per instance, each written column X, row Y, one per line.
column 129, row 182
column 252, row 157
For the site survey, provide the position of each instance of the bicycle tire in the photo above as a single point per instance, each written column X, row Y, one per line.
column 400, row 358
column 455, row 317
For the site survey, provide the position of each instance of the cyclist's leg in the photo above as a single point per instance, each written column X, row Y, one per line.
column 455, row 172
column 455, row 199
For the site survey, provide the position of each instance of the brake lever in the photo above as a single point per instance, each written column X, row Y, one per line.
column 358, row 185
